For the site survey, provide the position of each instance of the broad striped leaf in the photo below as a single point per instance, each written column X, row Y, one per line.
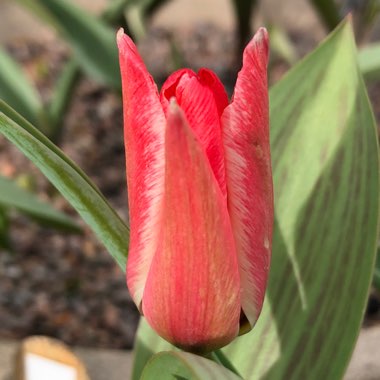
column 325, row 158
column 325, row 162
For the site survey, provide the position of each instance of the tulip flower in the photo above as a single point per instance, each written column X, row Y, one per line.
column 200, row 197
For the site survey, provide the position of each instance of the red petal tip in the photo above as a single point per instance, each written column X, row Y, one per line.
column 258, row 47
column 124, row 42
column 119, row 35
column 261, row 37
column 262, row 33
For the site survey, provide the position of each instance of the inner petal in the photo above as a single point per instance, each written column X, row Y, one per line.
column 203, row 98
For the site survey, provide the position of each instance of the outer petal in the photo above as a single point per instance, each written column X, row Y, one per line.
column 249, row 178
column 144, row 134
column 203, row 98
column 192, row 294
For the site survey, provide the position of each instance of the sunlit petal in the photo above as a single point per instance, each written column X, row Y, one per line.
column 192, row 294
column 249, row 179
column 144, row 134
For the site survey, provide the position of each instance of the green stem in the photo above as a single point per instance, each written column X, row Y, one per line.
column 219, row 357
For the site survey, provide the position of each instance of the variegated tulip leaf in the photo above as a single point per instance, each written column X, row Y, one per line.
column 184, row 366
column 74, row 185
column 325, row 162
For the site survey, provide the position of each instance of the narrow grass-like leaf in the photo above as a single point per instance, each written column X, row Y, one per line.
column 16, row 89
column 71, row 182
column 62, row 97
column 92, row 40
column 376, row 273
column 328, row 12
column 4, row 229
column 243, row 13
column 326, row 181
column 151, row 6
column 114, row 13
column 369, row 61
column 281, row 46
column 184, row 366
column 39, row 11
column 13, row 196
column 22, row 122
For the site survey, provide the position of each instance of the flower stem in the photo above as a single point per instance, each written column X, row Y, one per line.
column 219, row 357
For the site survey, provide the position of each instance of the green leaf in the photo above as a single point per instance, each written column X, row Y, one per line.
column 74, row 185
column 184, row 366
column 326, row 181
column 325, row 159
column 369, row 61
column 147, row 343
column 93, row 42
column 16, row 89
column 376, row 273
column 12, row 195
column 114, row 12
column 40, row 11
column 364, row 15
column 62, row 97
column 135, row 20
column 328, row 12
column 281, row 46
column 137, row 12
column 243, row 13
column 151, row 6
column 4, row 230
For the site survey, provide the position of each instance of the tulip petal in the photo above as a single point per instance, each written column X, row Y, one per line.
column 144, row 136
column 203, row 98
column 210, row 79
column 248, row 170
column 192, row 294
column 169, row 87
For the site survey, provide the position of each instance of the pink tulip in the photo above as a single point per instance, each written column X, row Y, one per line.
column 200, row 197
